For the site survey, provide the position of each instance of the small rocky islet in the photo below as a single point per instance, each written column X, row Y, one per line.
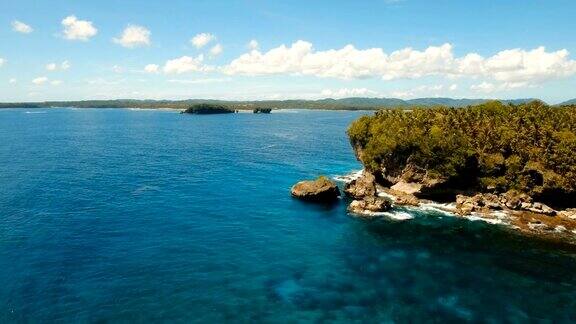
column 525, row 182
column 210, row 109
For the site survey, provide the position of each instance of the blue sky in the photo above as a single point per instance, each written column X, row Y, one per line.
column 72, row 50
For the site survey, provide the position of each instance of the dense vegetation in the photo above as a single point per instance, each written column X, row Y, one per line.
column 205, row 109
column 335, row 104
column 529, row 147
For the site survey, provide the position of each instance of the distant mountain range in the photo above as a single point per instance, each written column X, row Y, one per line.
column 356, row 103
column 569, row 102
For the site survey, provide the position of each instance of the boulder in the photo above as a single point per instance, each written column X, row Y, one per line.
column 319, row 190
column 364, row 186
column 369, row 205
column 479, row 202
column 540, row 208
column 409, row 188
column 515, row 200
column 568, row 213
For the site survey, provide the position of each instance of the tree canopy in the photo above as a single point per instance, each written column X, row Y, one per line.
column 528, row 147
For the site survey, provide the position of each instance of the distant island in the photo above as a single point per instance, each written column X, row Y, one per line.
column 356, row 103
column 207, row 109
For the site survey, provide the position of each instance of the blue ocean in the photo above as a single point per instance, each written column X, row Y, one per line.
column 119, row 215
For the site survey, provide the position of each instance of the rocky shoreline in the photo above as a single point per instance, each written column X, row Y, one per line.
column 514, row 210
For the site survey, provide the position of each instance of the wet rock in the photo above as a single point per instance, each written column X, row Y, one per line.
column 319, row 190
column 364, row 186
column 369, row 205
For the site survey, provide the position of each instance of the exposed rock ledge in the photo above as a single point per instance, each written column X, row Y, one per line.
column 514, row 209
column 319, row 190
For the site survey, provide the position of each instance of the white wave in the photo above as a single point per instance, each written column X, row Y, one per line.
column 482, row 219
column 395, row 215
column 446, row 209
column 348, row 177
column 34, row 112
column 285, row 111
column 386, row 195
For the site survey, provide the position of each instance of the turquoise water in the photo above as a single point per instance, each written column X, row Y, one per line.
column 121, row 216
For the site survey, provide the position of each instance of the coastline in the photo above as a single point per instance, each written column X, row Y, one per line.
column 559, row 227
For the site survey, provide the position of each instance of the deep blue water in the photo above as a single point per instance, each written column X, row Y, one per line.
column 121, row 216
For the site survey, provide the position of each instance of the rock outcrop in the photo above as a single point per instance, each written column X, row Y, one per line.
column 319, row 190
column 262, row 110
column 511, row 200
column 364, row 186
column 369, row 205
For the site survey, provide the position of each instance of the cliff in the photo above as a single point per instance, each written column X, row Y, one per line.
column 490, row 148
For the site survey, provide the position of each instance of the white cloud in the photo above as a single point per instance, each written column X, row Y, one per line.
column 199, row 81
column 12, row 80
column 117, row 69
column 21, row 27
column 346, row 92
column 432, row 90
column 402, row 94
column 134, row 36
column 152, row 68
column 75, row 29
column 40, row 80
column 185, row 64
column 489, row 87
column 2, row 61
column 65, row 65
column 44, row 80
column 300, row 58
column 253, row 45
column 202, row 39
column 216, row 50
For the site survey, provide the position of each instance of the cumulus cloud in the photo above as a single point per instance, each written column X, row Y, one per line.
column 75, row 29
column 65, row 65
column 117, row 69
column 152, row 68
column 134, row 36
column 12, row 80
column 346, row 92
column 44, row 80
column 202, row 39
column 2, row 61
column 216, row 50
column 199, row 81
column 40, row 80
column 300, row 58
column 489, row 87
column 253, row 45
column 431, row 90
column 21, row 27
column 185, row 64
